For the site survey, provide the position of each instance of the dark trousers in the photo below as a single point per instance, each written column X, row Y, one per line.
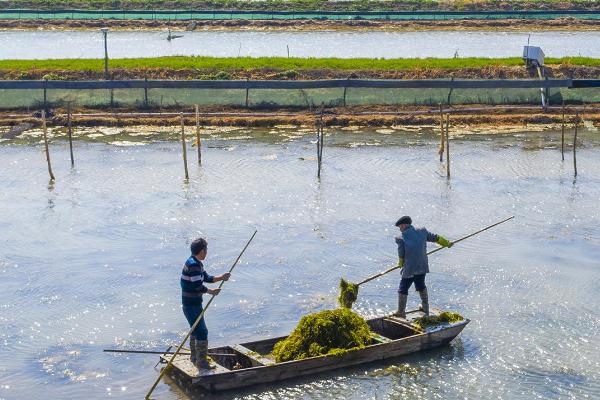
column 406, row 283
column 191, row 313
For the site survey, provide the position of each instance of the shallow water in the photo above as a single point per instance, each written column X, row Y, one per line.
column 342, row 44
column 93, row 261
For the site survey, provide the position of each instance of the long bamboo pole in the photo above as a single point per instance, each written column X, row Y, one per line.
column 435, row 250
column 198, row 142
column 185, row 165
column 162, row 373
column 181, row 353
column 44, row 128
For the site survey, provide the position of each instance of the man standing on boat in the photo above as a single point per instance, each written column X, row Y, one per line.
column 412, row 258
column 193, row 278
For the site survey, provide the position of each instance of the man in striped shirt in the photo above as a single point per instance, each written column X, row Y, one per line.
column 193, row 277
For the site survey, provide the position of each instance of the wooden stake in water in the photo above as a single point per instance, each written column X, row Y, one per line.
column 170, row 363
column 198, row 142
column 441, row 149
column 70, row 133
column 319, row 144
column 448, row 145
column 575, row 144
column 44, row 128
column 187, row 177
column 562, row 142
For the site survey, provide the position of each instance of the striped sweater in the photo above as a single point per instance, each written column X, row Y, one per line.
column 192, row 281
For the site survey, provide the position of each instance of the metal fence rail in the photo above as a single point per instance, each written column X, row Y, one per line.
column 261, row 14
column 270, row 94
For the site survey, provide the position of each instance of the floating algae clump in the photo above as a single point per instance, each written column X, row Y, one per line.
column 327, row 332
column 433, row 320
column 348, row 293
column 396, row 370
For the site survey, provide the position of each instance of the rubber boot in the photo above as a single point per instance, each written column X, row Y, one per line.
column 193, row 354
column 424, row 301
column 402, row 299
column 202, row 354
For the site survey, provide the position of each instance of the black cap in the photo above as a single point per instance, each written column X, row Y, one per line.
column 404, row 220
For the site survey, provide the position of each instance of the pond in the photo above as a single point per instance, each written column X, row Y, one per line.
column 93, row 261
column 342, row 44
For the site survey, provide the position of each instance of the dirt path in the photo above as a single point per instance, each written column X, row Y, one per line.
column 482, row 116
column 522, row 25
column 562, row 71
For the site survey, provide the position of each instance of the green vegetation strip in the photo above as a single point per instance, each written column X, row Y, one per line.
column 191, row 62
column 305, row 5
column 331, row 332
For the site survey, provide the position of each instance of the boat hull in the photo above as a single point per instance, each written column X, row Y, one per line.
column 260, row 369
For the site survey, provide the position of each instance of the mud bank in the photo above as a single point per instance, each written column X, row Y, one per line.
column 498, row 118
column 522, row 25
column 559, row 71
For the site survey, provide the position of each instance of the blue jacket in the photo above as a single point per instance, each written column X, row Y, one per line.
column 412, row 247
column 192, row 281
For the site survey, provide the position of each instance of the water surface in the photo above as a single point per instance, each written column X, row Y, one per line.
column 342, row 44
column 93, row 261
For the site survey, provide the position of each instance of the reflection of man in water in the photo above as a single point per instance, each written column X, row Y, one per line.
column 412, row 258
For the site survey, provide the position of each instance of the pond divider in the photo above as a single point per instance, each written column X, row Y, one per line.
column 319, row 127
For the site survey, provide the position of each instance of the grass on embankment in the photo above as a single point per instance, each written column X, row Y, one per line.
column 282, row 63
column 308, row 5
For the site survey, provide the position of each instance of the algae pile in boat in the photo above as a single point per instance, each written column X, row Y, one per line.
column 331, row 332
column 434, row 320
column 348, row 293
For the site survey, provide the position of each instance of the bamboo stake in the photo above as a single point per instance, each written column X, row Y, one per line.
column 319, row 144
column 575, row 144
column 435, row 250
column 448, row 145
column 562, row 142
column 198, row 142
column 170, row 363
column 187, row 177
column 70, row 133
column 46, row 146
column 441, row 149
column 322, row 137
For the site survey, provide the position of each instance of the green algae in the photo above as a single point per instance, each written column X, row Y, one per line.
column 348, row 293
column 446, row 317
column 402, row 369
column 329, row 332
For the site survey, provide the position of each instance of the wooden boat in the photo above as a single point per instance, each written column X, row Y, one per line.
column 249, row 363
